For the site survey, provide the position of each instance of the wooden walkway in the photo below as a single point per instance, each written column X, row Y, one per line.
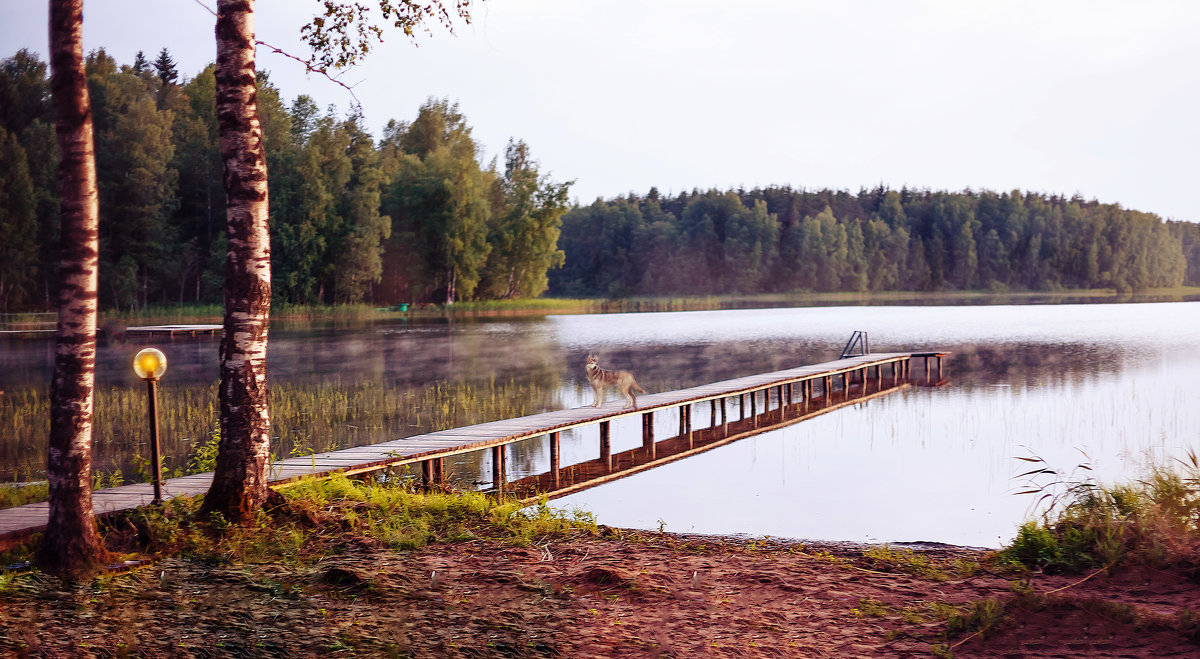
column 817, row 382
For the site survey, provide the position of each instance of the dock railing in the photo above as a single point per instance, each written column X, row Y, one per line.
column 857, row 346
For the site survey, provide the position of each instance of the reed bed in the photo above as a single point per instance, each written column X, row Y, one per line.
column 306, row 418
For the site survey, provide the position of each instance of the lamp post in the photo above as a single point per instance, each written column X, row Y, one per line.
column 150, row 364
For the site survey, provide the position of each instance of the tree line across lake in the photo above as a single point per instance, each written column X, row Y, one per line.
column 415, row 216
column 779, row 239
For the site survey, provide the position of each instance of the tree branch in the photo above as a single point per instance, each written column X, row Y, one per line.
column 310, row 67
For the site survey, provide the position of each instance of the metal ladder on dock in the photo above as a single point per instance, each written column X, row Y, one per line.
column 857, row 346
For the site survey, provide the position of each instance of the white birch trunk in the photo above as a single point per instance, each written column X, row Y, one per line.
column 71, row 546
column 240, row 482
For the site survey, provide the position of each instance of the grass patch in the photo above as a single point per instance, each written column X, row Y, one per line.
column 980, row 618
column 869, row 608
column 298, row 523
column 19, row 494
column 884, row 558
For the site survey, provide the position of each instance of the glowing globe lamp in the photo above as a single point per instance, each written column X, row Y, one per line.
column 150, row 364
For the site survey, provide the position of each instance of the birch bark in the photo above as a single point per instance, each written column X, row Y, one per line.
column 71, row 546
column 240, row 480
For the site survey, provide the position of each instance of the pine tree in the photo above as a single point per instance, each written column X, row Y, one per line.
column 164, row 66
column 18, row 224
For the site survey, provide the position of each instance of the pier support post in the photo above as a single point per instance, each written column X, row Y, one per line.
column 754, row 407
column 826, row 385
column 439, row 473
column 554, row 458
column 605, row 447
column 648, row 434
column 724, row 419
column 498, row 470
column 712, row 413
column 427, row 475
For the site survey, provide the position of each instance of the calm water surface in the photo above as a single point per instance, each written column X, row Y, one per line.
column 1108, row 384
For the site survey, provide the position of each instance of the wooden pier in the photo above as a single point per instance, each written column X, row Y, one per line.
column 763, row 402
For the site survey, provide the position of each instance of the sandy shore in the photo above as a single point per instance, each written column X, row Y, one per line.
column 619, row 594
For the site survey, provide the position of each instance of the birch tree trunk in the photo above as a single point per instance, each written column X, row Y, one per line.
column 71, row 546
column 239, row 484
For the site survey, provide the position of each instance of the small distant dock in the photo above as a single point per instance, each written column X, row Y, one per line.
column 173, row 330
column 760, row 402
column 29, row 325
column 21, row 325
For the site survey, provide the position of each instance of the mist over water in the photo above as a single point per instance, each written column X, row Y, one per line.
column 1110, row 386
column 1107, row 384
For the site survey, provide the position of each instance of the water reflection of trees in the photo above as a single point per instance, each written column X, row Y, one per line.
column 1036, row 363
column 666, row 368
column 350, row 386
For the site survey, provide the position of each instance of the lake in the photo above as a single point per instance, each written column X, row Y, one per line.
column 1107, row 385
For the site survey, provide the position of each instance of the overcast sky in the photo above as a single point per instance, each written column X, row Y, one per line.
column 1094, row 97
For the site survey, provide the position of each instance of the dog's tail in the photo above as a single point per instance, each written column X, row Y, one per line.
column 638, row 387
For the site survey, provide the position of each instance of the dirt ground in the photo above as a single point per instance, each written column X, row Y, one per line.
column 619, row 594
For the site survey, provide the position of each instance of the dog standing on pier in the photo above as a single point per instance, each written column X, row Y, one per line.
column 601, row 379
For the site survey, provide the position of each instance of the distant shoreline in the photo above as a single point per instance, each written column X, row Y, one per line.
column 558, row 306
column 549, row 306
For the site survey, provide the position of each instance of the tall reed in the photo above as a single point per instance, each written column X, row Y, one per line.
column 304, row 417
column 1154, row 521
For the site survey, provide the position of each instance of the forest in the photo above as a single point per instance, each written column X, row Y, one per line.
column 780, row 239
column 412, row 216
column 416, row 216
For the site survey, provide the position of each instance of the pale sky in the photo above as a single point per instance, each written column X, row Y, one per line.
column 1094, row 97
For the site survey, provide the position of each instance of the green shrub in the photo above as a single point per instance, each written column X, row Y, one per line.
column 1153, row 522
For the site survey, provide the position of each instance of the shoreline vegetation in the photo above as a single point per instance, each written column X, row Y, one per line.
column 352, row 414
column 286, row 312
